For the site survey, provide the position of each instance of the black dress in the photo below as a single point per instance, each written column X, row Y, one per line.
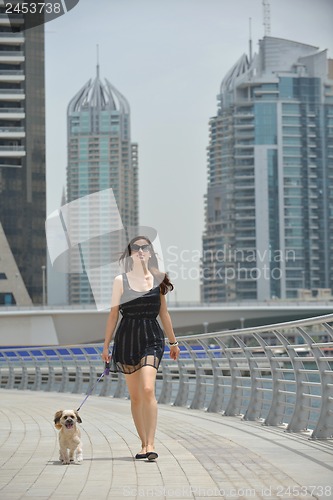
column 139, row 339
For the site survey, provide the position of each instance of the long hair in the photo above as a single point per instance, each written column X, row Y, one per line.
column 125, row 258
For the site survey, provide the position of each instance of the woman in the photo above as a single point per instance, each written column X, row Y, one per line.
column 139, row 294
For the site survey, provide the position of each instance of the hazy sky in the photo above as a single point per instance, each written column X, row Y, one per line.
column 168, row 57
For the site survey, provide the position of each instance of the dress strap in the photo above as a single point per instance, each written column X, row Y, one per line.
column 125, row 282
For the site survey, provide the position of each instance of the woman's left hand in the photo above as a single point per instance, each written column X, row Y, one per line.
column 174, row 352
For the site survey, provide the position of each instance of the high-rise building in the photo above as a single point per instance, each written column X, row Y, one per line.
column 100, row 156
column 22, row 161
column 269, row 203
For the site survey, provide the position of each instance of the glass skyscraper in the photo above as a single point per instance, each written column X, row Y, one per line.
column 100, row 156
column 269, row 203
column 22, row 162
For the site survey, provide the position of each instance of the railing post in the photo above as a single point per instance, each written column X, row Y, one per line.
column 121, row 386
column 106, row 385
column 23, row 385
column 183, row 384
column 65, row 378
column 166, row 391
column 200, row 387
column 36, row 386
column 11, row 374
column 299, row 419
column 278, row 401
column 254, row 406
column 234, row 404
column 199, row 397
column 78, row 386
column 324, row 427
column 217, row 398
column 50, row 386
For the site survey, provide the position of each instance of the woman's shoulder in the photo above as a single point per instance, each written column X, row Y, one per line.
column 118, row 281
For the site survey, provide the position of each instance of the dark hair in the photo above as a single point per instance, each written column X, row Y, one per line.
column 165, row 284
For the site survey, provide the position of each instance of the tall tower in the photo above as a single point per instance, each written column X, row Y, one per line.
column 100, row 156
column 22, row 161
column 269, row 204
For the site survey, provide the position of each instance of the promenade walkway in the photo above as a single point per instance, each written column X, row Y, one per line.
column 201, row 455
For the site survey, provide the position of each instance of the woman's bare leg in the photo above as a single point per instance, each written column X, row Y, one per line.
column 141, row 388
column 149, row 408
column 133, row 382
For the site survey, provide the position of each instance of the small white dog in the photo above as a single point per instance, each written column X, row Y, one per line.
column 69, row 436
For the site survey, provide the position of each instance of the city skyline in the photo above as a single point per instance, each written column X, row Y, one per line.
column 169, row 59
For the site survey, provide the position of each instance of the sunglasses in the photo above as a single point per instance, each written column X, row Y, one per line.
column 136, row 248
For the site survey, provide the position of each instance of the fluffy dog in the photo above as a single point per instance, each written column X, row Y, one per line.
column 69, row 436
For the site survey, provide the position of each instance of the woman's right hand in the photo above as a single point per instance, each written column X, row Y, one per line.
column 106, row 355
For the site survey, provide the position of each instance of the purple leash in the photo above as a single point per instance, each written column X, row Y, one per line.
column 106, row 372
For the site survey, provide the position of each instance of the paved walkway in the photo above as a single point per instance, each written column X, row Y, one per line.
column 201, row 455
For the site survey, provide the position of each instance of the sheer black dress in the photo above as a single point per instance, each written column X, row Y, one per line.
column 139, row 339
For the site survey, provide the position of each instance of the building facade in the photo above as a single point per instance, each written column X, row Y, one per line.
column 100, row 156
column 269, row 203
column 22, row 161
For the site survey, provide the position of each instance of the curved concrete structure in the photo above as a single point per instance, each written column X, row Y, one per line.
column 53, row 326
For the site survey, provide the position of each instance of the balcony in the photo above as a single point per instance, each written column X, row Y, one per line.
column 11, row 56
column 243, row 126
column 12, row 132
column 12, row 113
column 12, row 151
column 8, row 75
column 12, row 95
column 14, row 19
column 12, row 38
column 3, row 164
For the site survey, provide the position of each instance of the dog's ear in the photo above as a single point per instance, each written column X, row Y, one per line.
column 78, row 417
column 57, row 418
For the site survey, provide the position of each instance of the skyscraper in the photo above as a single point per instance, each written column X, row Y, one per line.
column 100, row 156
column 22, row 161
column 269, row 203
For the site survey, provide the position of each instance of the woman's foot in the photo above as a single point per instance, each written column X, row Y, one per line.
column 142, row 453
column 151, row 453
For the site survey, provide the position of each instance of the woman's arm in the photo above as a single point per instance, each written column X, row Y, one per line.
column 168, row 328
column 112, row 320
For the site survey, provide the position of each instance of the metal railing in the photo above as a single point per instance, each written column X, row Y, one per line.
column 278, row 375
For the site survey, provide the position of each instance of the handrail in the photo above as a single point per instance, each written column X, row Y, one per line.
column 277, row 375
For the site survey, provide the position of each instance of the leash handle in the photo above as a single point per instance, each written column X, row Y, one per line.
column 106, row 372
